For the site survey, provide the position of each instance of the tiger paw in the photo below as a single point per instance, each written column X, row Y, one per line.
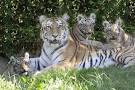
column 36, row 73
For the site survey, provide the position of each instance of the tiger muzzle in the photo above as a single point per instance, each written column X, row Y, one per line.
column 54, row 41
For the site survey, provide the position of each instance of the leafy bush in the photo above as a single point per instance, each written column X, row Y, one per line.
column 19, row 18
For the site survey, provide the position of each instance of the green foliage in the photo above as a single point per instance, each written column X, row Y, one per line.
column 19, row 18
column 7, row 85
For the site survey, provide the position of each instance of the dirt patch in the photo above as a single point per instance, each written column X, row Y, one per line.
column 4, row 66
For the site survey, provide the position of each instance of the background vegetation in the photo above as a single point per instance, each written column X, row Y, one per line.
column 19, row 19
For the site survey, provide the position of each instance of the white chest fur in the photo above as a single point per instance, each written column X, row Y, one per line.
column 54, row 53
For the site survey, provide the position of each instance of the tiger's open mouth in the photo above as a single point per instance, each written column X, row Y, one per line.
column 54, row 41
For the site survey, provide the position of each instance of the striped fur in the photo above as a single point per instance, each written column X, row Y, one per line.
column 111, row 42
column 60, row 50
column 54, row 33
column 118, row 54
column 123, row 38
column 127, row 55
column 83, row 30
column 119, row 34
column 107, row 30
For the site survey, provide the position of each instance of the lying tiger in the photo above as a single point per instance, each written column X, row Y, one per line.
column 61, row 50
column 122, row 39
column 118, row 33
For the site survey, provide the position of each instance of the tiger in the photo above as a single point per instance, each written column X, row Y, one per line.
column 111, row 42
column 53, row 44
column 121, row 39
column 107, row 31
column 84, row 29
column 120, row 35
column 61, row 51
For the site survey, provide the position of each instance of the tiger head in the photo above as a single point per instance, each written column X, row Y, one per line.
column 107, row 30
column 117, row 27
column 86, row 24
column 20, row 64
column 106, row 26
column 117, row 30
column 54, row 31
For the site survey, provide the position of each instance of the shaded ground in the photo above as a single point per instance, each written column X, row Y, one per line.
column 4, row 66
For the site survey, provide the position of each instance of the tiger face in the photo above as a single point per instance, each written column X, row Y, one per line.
column 113, row 30
column 107, row 30
column 54, row 31
column 107, row 26
column 117, row 30
column 20, row 64
column 86, row 24
column 116, row 27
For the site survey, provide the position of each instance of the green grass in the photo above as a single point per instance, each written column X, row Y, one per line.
column 7, row 85
column 112, row 78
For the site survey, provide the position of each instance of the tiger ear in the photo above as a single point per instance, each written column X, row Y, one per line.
column 106, row 24
column 80, row 17
column 93, row 16
column 118, row 22
column 26, row 57
column 65, row 17
column 42, row 18
column 12, row 60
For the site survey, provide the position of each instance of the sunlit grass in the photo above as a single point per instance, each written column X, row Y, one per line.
column 7, row 85
column 112, row 78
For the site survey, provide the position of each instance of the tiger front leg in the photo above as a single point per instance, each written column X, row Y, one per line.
column 108, row 39
column 93, row 43
column 60, row 66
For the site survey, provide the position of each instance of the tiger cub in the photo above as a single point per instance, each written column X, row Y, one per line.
column 83, row 30
column 107, row 31
column 123, row 38
column 119, row 34
column 111, row 42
